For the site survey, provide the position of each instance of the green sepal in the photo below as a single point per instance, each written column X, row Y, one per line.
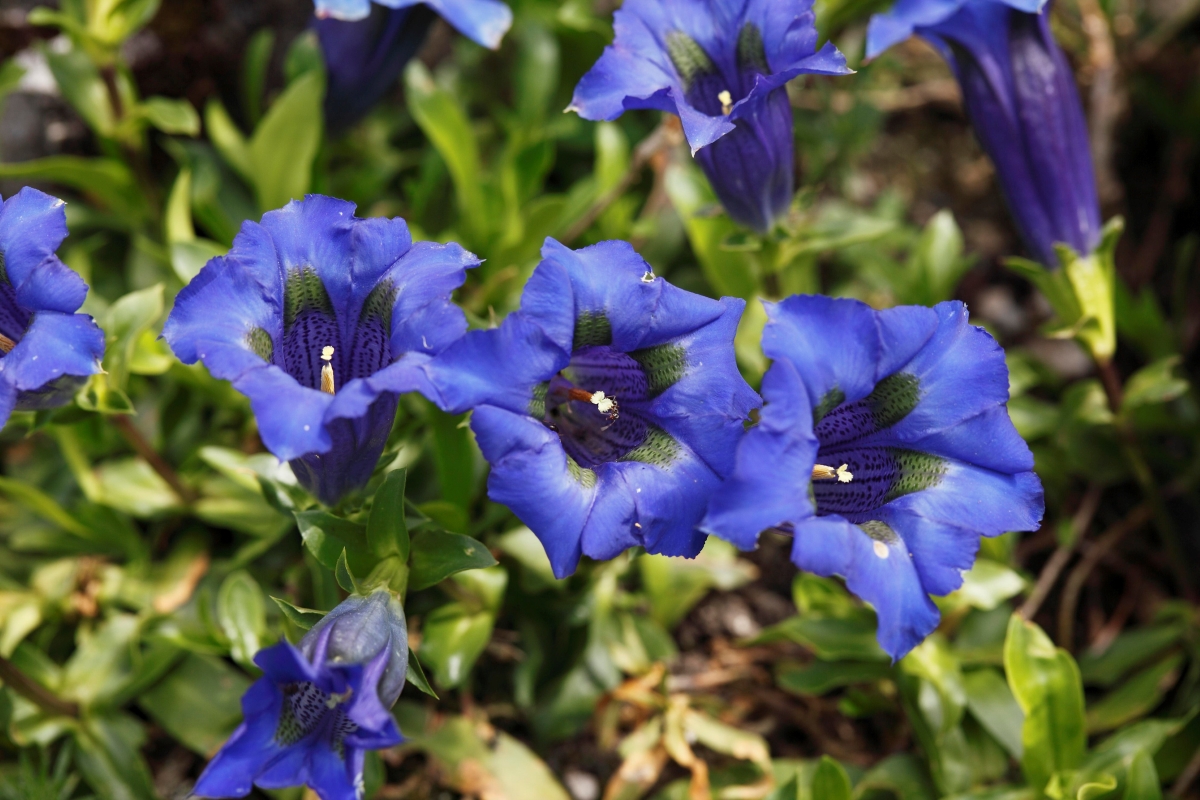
column 387, row 530
column 416, row 675
column 303, row 618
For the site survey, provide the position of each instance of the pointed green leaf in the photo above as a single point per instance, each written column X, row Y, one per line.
column 303, row 618
column 830, row 781
column 387, row 531
column 436, row 555
column 416, row 675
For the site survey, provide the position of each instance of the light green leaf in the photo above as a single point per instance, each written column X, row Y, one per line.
column 242, row 616
column 675, row 585
column 387, row 530
column 109, row 759
column 993, row 706
column 818, row 677
column 123, row 324
column 415, row 674
column 131, row 485
column 1046, row 684
column 1133, row 647
column 170, row 115
column 830, row 781
column 1139, row 695
column 1142, row 782
column 303, row 618
column 198, row 703
column 988, row 584
column 228, row 139
column 1154, row 383
column 282, row 150
column 105, row 180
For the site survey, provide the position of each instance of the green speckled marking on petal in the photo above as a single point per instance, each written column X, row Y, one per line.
column 880, row 532
column 592, row 328
column 750, row 51
column 915, row 471
column 658, row 448
column 304, row 292
column 260, row 342
column 832, row 399
column 894, row 398
column 537, row 406
column 663, row 366
column 689, row 57
column 584, row 477
column 379, row 304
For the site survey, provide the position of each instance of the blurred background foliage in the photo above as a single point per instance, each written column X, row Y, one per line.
column 149, row 547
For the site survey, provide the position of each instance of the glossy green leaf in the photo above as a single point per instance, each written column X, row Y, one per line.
column 818, row 677
column 415, row 675
column 387, row 530
column 1046, row 684
column 303, row 618
column 198, row 703
column 1142, row 782
column 1130, row 649
column 830, row 781
column 993, row 706
column 241, row 613
column 171, row 116
column 282, row 150
column 1137, row 696
column 674, row 586
column 455, row 635
column 123, row 324
column 326, row 536
column 851, row 638
column 436, row 555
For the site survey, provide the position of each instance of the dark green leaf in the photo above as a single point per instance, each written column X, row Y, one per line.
column 387, row 530
column 436, row 555
column 303, row 618
column 416, row 675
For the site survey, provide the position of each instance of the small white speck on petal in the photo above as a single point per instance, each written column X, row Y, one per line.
column 881, row 549
column 305, row 427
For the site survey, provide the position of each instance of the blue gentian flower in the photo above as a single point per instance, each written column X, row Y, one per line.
column 319, row 706
column 721, row 66
column 1022, row 101
column 886, row 449
column 46, row 349
column 366, row 46
column 322, row 319
column 608, row 405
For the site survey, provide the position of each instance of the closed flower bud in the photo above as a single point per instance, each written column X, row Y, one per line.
column 358, row 631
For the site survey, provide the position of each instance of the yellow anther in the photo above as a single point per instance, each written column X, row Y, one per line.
column 820, row 472
column 6, row 344
column 726, row 101
column 327, row 384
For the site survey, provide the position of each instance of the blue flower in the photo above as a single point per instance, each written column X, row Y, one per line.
column 322, row 319
column 885, row 447
column 609, row 405
column 366, row 47
column 721, row 65
column 1022, row 101
column 46, row 349
column 319, row 706
column 482, row 21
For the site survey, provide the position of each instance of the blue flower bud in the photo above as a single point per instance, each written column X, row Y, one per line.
column 358, row 631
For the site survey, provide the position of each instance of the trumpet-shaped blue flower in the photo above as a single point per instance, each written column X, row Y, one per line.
column 608, row 405
column 885, row 447
column 366, row 46
column 46, row 349
column 319, row 706
column 721, row 65
column 322, row 319
column 1023, row 104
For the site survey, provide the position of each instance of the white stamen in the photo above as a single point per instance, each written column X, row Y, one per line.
column 881, row 549
column 726, row 101
column 843, row 474
column 820, row 472
column 603, row 404
column 327, row 384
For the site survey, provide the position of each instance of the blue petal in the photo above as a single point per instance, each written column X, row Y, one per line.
column 708, row 405
column 906, row 16
column 8, row 400
column 832, row 343
column 768, row 486
column 830, row 545
column 986, row 440
column 344, row 9
column 499, row 367
column 482, row 21
column 251, row 749
column 530, row 475
column 291, row 418
column 990, row 503
column 56, row 344
column 942, row 553
column 32, row 226
column 329, row 775
column 424, row 319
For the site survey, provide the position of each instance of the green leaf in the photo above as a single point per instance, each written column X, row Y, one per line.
column 387, row 530
column 1138, row 696
column 327, row 536
column 228, row 139
column 1098, row 788
column 988, row 584
column 1154, row 383
column 830, row 781
column 1046, row 684
column 937, row 260
column 1142, row 782
column 345, row 578
column 282, row 150
column 455, row 635
column 123, row 324
column 416, row 675
column 1130, row 649
column 454, row 457
column 188, row 258
column 445, row 123
column 170, row 116
column 674, row 585
column 728, row 272
column 106, row 181
column 902, row 775
column 242, row 616
column 198, row 703
column 819, row 677
column 255, row 64
column 109, row 759
column 993, row 706
column 851, row 638
column 79, row 81
column 436, row 555
column 303, row 618
column 111, row 22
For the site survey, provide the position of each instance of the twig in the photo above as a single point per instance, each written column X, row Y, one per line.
column 1129, row 600
column 1110, row 379
column 1158, row 230
column 1187, row 776
column 667, row 134
column 152, row 457
column 1139, row 516
column 34, row 692
column 1062, row 555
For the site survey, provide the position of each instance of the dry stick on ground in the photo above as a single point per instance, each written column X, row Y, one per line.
column 667, row 134
column 1106, row 99
column 1189, row 774
column 1058, row 561
column 156, row 461
column 34, row 692
column 1092, row 555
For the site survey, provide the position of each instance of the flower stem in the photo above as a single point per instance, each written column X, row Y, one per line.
column 152, row 457
column 34, row 692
